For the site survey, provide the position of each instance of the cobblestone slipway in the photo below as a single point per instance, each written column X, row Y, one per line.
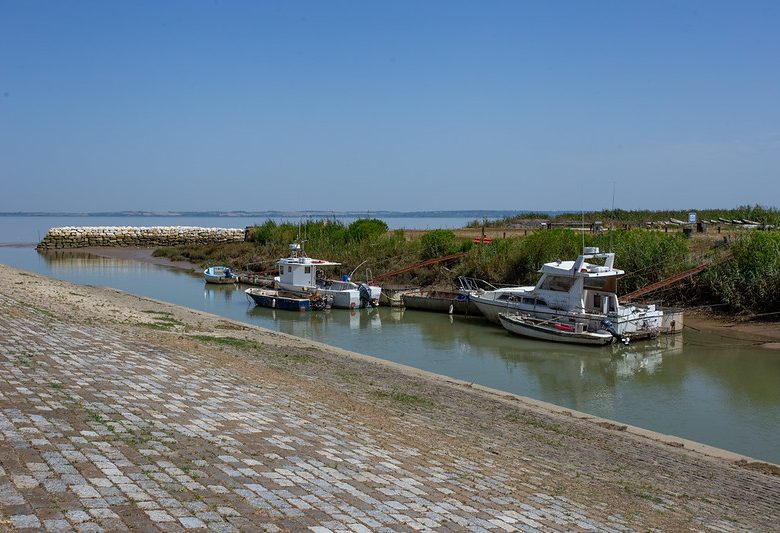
column 108, row 426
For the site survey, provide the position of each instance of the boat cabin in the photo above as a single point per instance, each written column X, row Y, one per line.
column 581, row 285
column 299, row 270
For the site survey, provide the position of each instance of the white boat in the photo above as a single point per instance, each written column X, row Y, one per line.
column 579, row 290
column 219, row 274
column 554, row 330
column 303, row 275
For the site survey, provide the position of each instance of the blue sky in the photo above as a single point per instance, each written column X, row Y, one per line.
column 425, row 105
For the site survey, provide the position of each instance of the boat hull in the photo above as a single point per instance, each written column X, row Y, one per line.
column 220, row 280
column 631, row 321
column 542, row 330
column 440, row 302
column 340, row 294
column 273, row 300
column 216, row 274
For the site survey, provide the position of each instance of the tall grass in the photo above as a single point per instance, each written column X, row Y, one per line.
column 750, row 281
column 646, row 256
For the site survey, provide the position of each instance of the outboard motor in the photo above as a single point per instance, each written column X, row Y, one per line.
column 365, row 295
column 609, row 326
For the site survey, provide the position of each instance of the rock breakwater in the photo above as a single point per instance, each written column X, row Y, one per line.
column 115, row 236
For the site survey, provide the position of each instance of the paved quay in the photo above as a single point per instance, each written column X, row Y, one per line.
column 122, row 413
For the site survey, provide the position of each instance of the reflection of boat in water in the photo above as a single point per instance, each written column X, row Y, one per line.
column 275, row 299
column 552, row 330
column 224, row 292
column 581, row 291
column 315, row 325
column 302, row 276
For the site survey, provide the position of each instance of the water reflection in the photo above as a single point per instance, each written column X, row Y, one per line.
column 78, row 261
column 223, row 293
column 320, row 324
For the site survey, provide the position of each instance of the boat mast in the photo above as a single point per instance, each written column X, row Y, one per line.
column 612, row 221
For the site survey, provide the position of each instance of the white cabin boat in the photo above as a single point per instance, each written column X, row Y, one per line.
column 303, row 275
column 579, row 290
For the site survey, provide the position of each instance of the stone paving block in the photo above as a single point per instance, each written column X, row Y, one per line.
column 57, row 526
column 25, row 521
column 9, row 495
column 25, row 482
column 77, row 516
column 191, row 522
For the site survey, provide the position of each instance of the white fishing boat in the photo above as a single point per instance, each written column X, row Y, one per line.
column 554, row 330
column 302, row 275
column 219, row 274
column 584, row 290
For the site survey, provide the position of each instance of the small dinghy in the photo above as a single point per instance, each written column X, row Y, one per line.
column 551, row 330
column 219, row 274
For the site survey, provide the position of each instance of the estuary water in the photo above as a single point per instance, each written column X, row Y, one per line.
column 721, row 391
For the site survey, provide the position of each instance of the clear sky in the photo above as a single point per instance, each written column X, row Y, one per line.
column 421, row 105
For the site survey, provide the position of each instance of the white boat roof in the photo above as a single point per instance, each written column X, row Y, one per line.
column 582, row 268
column 306, row 261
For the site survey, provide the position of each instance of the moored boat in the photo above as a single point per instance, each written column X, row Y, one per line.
column 554, row 330
column 440, row 301
column 584, row 290
column 303, row 276
column 219, row 274
column 275, row 299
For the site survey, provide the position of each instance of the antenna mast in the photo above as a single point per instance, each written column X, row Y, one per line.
column 612, row 222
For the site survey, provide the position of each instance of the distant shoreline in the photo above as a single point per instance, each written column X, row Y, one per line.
column 320, row 214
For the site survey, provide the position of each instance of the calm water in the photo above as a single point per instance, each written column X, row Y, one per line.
column 716, row 390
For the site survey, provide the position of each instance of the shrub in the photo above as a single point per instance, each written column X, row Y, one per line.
column 649, row 256
column 438, row 243
column 263, row 234
column 366, row 229
column 750, row 281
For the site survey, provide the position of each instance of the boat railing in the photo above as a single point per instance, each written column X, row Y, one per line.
column 466, row 284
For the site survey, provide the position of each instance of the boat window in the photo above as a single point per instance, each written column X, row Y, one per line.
column 597, row 301
column 539, row 301
column 289, row 269
column 558, row 283
column 606, row 284
column 307, row 270
column 529, row 301
column 503, row 297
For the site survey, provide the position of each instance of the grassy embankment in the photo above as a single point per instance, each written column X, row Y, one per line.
column 620, row 217
column 747, row 283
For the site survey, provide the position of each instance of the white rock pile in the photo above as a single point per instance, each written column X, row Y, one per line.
column 111, row 236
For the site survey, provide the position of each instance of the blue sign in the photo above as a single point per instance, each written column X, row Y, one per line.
column 692, row 218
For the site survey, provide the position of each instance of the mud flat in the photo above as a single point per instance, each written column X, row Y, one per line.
column 121, row 412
